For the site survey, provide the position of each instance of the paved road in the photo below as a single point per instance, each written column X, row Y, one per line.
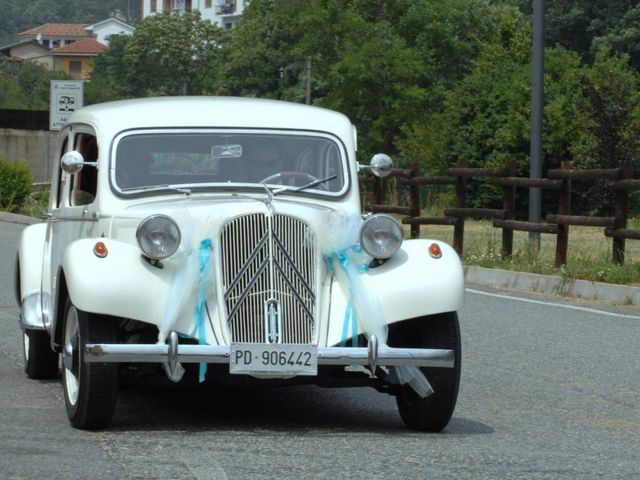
column 548, row 391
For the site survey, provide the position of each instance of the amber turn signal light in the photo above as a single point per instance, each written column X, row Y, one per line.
column 434, row 250
column 100, row 250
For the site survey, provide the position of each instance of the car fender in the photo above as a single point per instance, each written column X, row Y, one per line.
column 409, row 285
column 121, row 284
column 30, row 258
column 28, row 280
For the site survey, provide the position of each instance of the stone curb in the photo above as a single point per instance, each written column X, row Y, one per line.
column 551, row 284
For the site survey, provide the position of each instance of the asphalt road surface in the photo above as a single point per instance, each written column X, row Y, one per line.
column 549, row 390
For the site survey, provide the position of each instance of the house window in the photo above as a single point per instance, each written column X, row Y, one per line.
column 166, row 6
column 207, row 3
column 154, row 6
column 187, row 5
column 75, row 69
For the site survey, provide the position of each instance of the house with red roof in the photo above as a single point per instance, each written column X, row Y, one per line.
column 76, row 58
column 66, row 47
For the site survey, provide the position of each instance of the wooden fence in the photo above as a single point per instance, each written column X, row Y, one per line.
column 617, row 180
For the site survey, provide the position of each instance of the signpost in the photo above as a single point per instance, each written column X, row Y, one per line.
column 67, row 96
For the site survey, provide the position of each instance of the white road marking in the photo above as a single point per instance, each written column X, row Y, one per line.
column 550, row 304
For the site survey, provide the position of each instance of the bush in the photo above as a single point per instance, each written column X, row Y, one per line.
column 15, row 184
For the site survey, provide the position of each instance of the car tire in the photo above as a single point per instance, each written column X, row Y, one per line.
column 90, row 389
column 40, row 362
column 432, row 413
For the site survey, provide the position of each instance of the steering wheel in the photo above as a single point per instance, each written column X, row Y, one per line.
column 292, row 178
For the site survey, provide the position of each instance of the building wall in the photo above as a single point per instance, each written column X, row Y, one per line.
column 34, row 54
column 208, row 9
column 86, row 65
column 38, row 148
column 103, row 31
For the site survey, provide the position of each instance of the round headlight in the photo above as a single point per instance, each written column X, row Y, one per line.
column 158, row 236
column 381, row 236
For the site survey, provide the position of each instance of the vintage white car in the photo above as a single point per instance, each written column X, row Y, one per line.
column 224, row 237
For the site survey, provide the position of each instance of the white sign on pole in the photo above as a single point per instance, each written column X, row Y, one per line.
column 67, row 96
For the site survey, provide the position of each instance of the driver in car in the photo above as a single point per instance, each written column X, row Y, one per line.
column 266, row 161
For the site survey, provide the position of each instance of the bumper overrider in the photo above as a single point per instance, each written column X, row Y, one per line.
column 172, row 354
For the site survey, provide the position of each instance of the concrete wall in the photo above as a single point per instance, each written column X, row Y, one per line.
column 38, row 148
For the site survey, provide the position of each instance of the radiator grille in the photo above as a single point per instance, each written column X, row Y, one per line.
column 267, row 258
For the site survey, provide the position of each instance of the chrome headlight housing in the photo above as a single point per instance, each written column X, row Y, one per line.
column 381, row 236
column 158, row 236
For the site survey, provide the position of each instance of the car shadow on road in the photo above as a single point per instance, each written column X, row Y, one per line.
column 267, row 410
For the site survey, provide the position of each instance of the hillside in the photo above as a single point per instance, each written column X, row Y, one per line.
column 18, row 16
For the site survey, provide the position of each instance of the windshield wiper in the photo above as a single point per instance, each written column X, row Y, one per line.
column 315, row 183
column 153, row 188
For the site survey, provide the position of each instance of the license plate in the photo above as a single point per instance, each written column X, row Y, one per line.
column 273, row 359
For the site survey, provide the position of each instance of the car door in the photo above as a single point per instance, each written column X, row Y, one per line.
column 72, row 211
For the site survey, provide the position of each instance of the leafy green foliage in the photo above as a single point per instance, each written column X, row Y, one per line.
column 26, row 85
column 578, row 25
column 167, row 55
column 261, row 58
column 15, row 184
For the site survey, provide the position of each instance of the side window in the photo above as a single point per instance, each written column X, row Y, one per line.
column 85, row 183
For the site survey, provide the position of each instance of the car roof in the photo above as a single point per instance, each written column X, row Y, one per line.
column 166, row 112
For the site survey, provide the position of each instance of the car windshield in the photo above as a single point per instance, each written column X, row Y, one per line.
column 287, row 161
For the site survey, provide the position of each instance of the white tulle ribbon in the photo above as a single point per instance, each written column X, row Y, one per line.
column 362, row 306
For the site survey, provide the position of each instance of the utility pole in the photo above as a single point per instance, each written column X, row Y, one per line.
column 308, row 81
column 537, row 114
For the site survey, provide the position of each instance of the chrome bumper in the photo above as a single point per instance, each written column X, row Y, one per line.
column 172, row 353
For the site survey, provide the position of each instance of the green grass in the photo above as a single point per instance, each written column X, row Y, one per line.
column 589, row 253
column 36, row 203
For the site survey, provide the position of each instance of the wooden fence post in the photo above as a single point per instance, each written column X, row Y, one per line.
column 415, row 199
column 562, row 238
column 509, row 206
column 458, row 228
column 622, row 207
column 378, row 190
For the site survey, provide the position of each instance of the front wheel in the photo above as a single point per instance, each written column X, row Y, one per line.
column 432, row 413
column 40, row 361
column 89, row 388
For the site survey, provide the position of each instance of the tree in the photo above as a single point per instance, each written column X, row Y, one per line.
column 26, row 85
column 261, row 59
column 486, row 118
column 167, row 55
column 624, row 37
column 574, row 24
column 608, row 111
column 109, row 73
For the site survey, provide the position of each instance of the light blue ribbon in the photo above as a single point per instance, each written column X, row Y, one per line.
column 204, row 270
column 350, row 315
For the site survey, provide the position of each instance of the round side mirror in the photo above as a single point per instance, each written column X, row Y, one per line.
column 72, row 162
column 381, row 165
